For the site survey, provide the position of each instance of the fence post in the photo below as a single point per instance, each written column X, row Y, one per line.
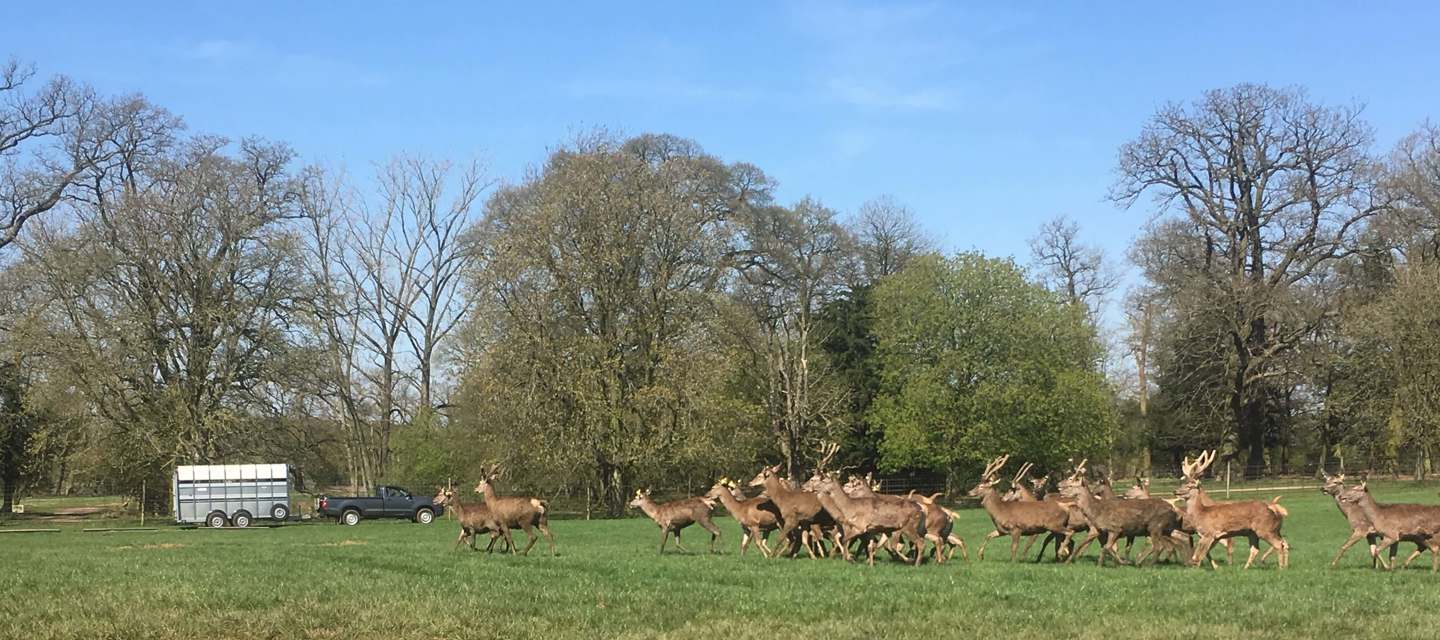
column 142, row 503
column 1227, row 479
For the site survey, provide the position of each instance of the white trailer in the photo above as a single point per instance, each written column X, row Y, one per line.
column 231, row 494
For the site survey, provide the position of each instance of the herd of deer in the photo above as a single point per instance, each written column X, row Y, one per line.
column 827, row 518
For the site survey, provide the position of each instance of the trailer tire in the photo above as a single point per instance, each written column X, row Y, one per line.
column 351, row 517
column 215, row 520
column 279, row 512
column 241, row 519
column 424, row 516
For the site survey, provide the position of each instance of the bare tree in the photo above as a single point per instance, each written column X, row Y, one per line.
column 793, row 265
column 888, row 237
column 1075, row 270
column 419, row 189
column 1272, row 189
column 61, row 135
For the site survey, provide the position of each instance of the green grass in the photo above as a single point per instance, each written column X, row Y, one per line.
column 401, row 580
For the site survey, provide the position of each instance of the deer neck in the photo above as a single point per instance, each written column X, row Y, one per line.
column 731, row 503
column 1085, row 500
column 489, row 493
column 1368, row 506
column 651, row 509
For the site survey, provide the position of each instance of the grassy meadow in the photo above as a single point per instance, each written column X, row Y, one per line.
column 394, row 579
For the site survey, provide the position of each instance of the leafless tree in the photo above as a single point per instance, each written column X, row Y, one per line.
column 888, row 235
column 1075, row 270
column 1272, row 190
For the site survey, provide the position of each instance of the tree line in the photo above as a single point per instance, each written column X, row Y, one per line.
column 635, row 311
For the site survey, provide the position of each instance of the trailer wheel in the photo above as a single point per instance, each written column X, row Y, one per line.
column 351, row 517
column 424, row 516
column 215, row 520
column 241, row 519
column 279, row 512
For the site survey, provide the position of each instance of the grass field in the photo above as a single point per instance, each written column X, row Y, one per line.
column 401, row 580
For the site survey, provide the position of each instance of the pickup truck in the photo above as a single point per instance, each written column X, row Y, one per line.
column 388, row 502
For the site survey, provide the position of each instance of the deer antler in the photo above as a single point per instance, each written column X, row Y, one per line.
column 1203, row 463
column 994, row 467
column 827, row 453
column 1024, row 471
column 1080, row 468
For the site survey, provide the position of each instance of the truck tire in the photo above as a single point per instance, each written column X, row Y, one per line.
column 215, row 520
column 279, row 512
column 241, row 519
column 351, row 517
column 425, row 515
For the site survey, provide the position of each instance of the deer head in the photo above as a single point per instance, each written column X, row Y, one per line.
column 765, row 474
column 1356, row 493
column 1140, row 490
column 1334, row 485
column 641, row 497
column 989, row 478
column 443, row 495
column 1190, row 480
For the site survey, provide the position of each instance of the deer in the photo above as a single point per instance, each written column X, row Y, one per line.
column 870, row 517
column 940, row 527
column 866, row 487
column 801, row 513
column 757, row 517
column 674, row 516
column 1019, row 492
column 1418, row 523
column 1020, row 518
column 1140, row 490
column 1212, row 521
column 517, row 512
column 1360, row 527
column 475, row 518
column 1111, row 519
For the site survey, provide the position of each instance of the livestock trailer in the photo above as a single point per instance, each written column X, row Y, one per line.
column 233, row 494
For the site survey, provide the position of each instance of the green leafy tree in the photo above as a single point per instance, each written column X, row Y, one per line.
column 977, row 361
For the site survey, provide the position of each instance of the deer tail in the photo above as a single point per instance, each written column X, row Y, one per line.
column 1276, row 508
column 540, row 505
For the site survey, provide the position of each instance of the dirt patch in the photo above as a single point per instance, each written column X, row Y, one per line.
column 344, row 543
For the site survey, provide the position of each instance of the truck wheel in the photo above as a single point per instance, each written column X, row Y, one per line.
column 279, row 512
column 215, row 520
column 424, row 516
column 241, row 519
column 351, row 517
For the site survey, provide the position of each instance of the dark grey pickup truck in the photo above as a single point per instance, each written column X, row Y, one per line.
column 388, row 502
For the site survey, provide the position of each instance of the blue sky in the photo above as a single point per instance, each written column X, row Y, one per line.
column 986, row 119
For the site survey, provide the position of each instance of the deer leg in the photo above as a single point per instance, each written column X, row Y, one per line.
column 1229, row 550
column 1129, row 542
column 507, row 536
column 1014, row 543
column 785, row 532
column 1045, row 543
column 1413, row 555
column 980, row 554
column 714, row 532
column 1030, row 540
column 544, row 526
column 679, row 546
column 664, row 537
column 1202, row 550
column 957, row 542
column 1355, row 536
column 458, row 541
column 1374, row 554
column 525, row 526
column 1254, row 549
column 1083, row 543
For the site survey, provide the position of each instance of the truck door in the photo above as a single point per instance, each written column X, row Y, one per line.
column 398, row 502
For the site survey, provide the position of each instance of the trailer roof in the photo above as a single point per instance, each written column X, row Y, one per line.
column 231, row 472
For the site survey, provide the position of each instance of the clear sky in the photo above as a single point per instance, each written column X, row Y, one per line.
column 986, row 119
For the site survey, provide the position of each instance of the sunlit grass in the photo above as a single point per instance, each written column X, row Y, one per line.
column 401, row 580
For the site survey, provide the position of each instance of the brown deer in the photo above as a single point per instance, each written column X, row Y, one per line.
column 475, row 518
column 1111, row 519
column 1036, row 491
column 674, row 516
column 1252, row 519
column 870, row 517
column 1418, row 523
column 1141, row 489
column 517, row 512
column 1360, row 527
column 757, row 517
column 940, row 527
column 1019, row 518
column 804, row 520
